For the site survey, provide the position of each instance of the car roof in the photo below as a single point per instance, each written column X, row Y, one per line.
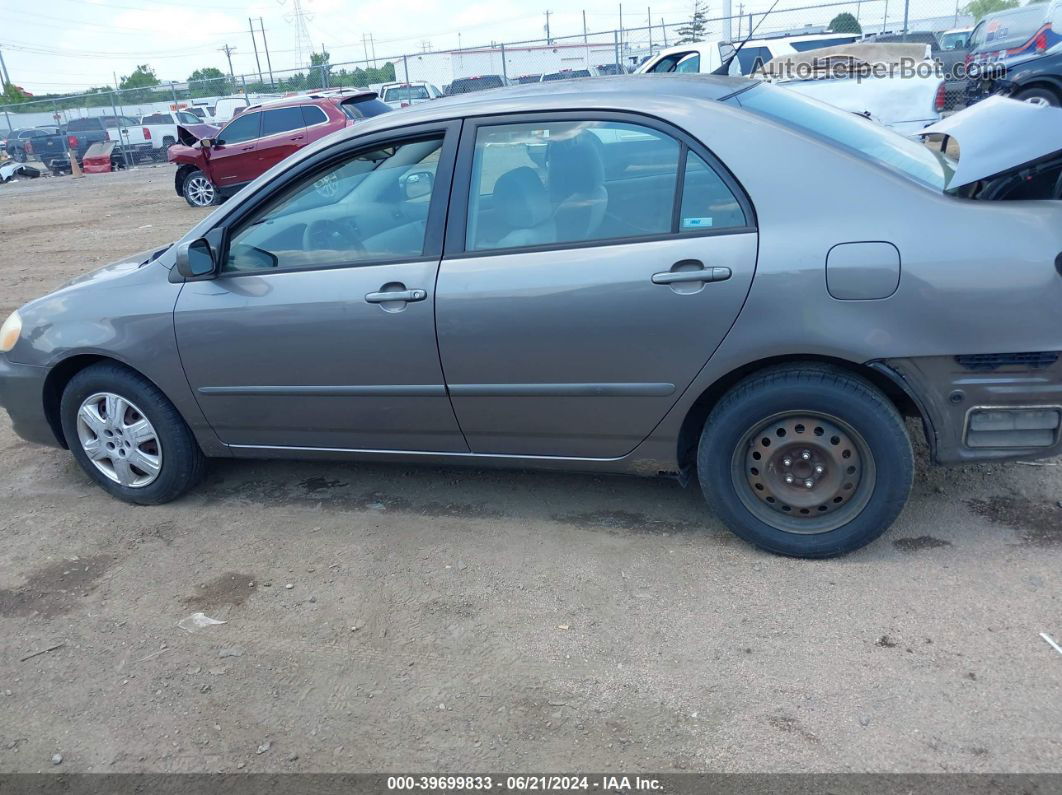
column 333, row 96
column 618, row 93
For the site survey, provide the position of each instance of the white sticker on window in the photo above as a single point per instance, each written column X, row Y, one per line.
column 696, row 223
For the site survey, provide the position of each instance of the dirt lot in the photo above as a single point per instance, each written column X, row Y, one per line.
column 396, row 618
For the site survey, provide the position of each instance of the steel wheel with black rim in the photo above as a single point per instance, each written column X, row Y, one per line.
column 808, row 461
column 199, row 191
column 127, row 436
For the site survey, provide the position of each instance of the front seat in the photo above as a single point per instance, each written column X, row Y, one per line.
column 577, row 186
column 522, row 204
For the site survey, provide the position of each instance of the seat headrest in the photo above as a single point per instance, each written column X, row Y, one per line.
column 575, row 165
column 521, row 199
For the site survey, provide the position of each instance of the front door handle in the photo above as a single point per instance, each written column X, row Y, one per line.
column 396, row 295
column 684, row 277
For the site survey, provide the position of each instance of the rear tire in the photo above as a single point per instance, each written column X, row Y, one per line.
column 807, row 461
column 198, row 190
column 1039, row 96
column 128, row 437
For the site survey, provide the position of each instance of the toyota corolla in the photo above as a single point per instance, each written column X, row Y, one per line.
column 700, row 276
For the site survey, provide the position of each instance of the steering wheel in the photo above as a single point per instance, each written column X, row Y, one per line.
column 330, row 234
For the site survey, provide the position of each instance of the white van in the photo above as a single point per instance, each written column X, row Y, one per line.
column 707, row 56
column 227, row 107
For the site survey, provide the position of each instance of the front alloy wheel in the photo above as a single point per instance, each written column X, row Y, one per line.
column 119, row 440
column 127, row 436
column 199, row 191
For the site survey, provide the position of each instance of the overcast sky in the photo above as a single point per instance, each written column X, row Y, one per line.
column 65, row 45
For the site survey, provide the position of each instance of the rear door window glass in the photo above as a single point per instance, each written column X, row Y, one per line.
column 537, row 184
column 281, row 120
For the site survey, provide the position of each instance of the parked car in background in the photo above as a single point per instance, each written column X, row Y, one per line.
column 133, row 141
column 522, row 79
column 1029, row 68
column 706, row 56
column 1038, row 81
column 950, row 58
column 162, row 129
column 212, row 168
column 956, row 39
column 464, row 85
column 423, row 290
column 607, row 69
column 15, row 142
column 1009, row 38
column 402, row 95
column 570, row 74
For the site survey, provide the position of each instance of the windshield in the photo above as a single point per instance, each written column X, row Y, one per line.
column 1021, row 23
column 566, row 75
column 363, row 108
column 954, row 41
column 466, row 84
column 405, row 93
column 864, row 137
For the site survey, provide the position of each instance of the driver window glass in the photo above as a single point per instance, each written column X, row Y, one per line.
column 690, row 65
column 369, row 208
column 244, row 128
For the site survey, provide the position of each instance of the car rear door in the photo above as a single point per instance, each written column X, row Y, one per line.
column 581, row 292
column 319, row 332
column 233, row 159
column 282, row 134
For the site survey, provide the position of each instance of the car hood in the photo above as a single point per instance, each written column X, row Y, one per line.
column 188, row 134
column 133, row 262
column 1000, row 135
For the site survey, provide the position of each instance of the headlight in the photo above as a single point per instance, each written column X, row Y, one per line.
column 10, row 332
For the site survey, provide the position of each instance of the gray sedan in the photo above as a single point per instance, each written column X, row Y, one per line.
column 697, row 276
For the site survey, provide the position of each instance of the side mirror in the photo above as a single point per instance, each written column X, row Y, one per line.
column 207, row 143
column 195, row 260
column 417, row 184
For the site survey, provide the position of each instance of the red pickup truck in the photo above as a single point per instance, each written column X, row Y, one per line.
column 210, row 169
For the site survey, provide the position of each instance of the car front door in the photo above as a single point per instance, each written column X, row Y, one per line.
column 233, row 158
column 282, row 134
column 584, row 287
column 319, row 331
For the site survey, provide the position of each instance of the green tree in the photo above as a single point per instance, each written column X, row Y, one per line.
column 695, row 29
column 207, row 82
column 845, row 23
column 142, row 77
column 980, row 8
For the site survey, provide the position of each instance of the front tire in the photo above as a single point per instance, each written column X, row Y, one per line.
column 1039, row 96
column 128, row 437
column 806, row 461
column 198, row 190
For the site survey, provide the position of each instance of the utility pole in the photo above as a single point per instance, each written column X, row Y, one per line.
column 728, row 31
column 585, row 41
column 228, row 54
column 906, row 17
column 663, row 30
column 621, row 28
column 254, row 43
column 4, row 76
column 265, row 47
column 372, row 49
column 547, row 27
column 649, row 17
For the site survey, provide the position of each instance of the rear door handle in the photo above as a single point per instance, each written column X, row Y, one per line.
column 397, row 295
column 682, row 277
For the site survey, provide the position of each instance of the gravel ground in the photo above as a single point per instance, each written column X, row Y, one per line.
column 391, row 618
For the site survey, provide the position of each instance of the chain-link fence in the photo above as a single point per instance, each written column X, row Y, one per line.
column 588, row 54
